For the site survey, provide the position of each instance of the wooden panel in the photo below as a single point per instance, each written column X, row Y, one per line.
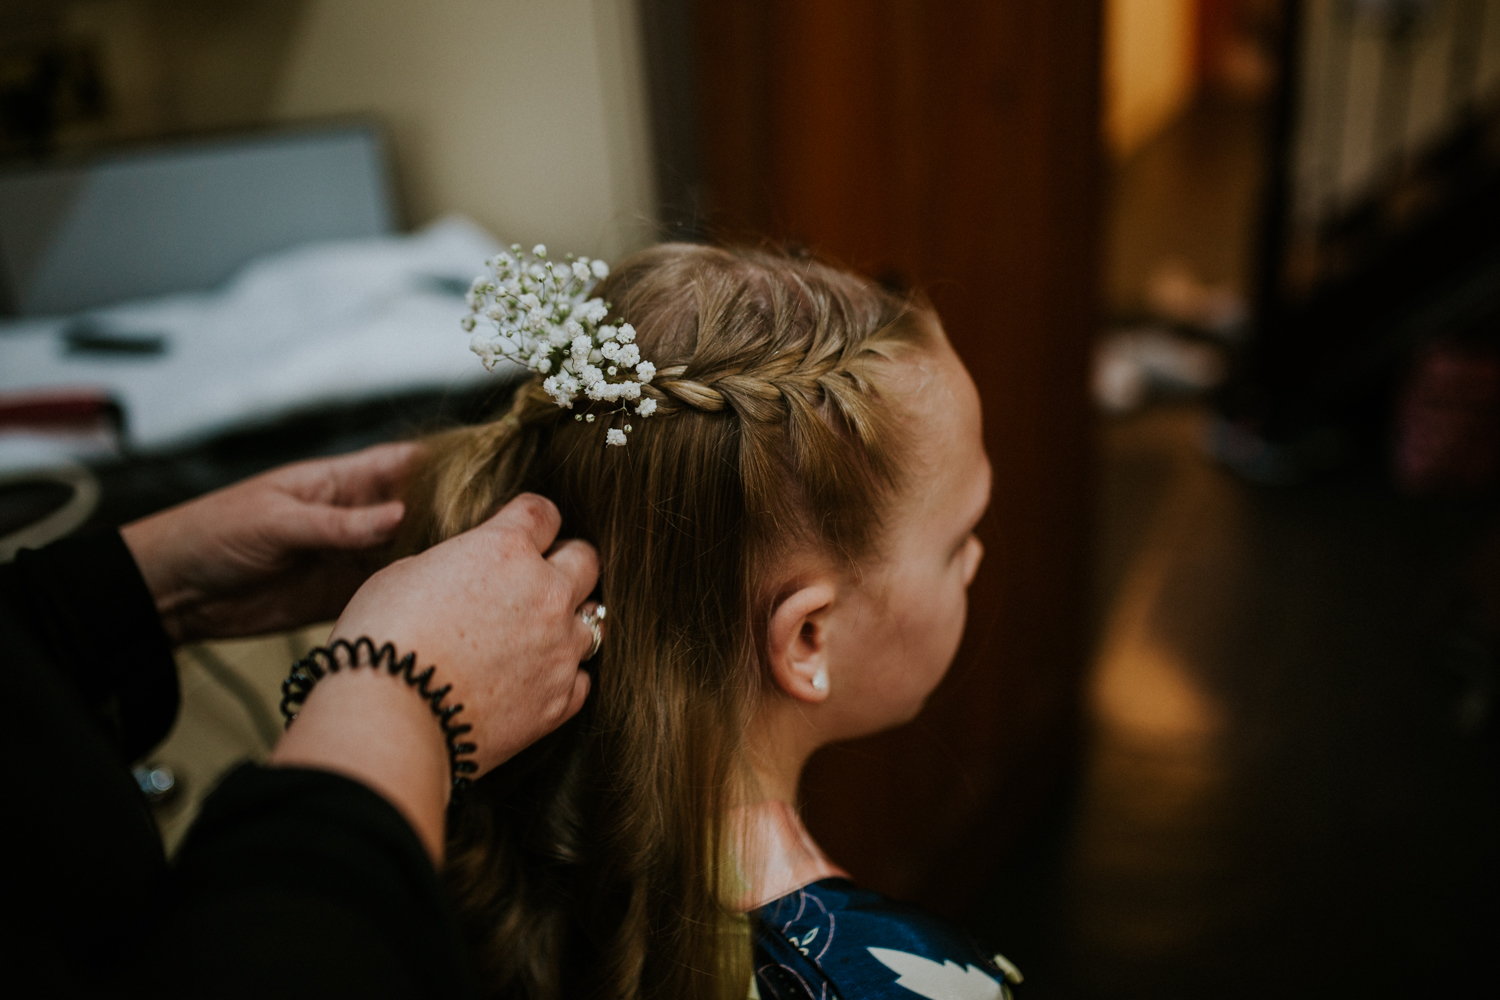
column 952, row 144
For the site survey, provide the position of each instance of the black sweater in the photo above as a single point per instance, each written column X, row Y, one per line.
column 291, row 882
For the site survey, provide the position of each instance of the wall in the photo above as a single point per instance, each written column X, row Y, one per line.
column 950, row 145
column 1149, row 72
column 529, row 117
column 166, row 66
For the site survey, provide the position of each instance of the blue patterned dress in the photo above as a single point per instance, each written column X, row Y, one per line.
column 832, row 940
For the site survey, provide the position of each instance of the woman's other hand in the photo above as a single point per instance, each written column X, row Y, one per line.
column 283, row 549
column 495, row 611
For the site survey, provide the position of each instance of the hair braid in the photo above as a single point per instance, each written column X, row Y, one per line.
column 767, row 392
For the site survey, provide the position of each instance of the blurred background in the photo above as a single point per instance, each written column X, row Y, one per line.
column 1227, row 273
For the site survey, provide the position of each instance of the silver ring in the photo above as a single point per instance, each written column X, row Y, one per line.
column 592, row 620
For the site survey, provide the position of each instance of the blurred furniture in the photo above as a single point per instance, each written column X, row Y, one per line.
column 953, row 147
column 1379, row 233
column 182, row 216
column 244, row 298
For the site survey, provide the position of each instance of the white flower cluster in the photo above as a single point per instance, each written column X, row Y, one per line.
column 546, row 320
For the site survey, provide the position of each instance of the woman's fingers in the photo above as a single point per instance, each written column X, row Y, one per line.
column 373, row 474
column 535, row 517
column 578, row 562
column 317, row 526
column 363, row 477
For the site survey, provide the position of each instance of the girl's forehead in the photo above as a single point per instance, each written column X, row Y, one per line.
column 945, row 423
column 934, row 389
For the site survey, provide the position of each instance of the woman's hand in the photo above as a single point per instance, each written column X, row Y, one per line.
column 495, row 611
column 284, row 549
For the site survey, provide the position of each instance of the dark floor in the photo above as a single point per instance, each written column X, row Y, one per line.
column 1291, row 785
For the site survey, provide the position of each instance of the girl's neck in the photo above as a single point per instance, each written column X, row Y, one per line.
column 777, row 853
column 776, row 780
column 779, row 856
column 779, row 741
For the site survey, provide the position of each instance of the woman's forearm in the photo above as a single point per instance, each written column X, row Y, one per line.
column 376, row 729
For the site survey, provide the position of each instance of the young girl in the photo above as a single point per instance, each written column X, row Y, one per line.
column 786, row 540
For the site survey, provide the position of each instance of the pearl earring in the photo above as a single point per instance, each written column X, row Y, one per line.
column 820, row 680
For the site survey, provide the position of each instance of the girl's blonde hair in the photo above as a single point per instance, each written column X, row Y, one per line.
column 597, row 862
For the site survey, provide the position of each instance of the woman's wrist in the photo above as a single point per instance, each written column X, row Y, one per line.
column 376, row 729
column 153, row 551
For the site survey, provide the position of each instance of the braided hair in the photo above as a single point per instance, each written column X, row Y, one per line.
column 597, row 862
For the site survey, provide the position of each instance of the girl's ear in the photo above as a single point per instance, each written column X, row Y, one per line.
column 797, row 641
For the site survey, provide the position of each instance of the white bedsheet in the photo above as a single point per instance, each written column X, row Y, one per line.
column 330, row 322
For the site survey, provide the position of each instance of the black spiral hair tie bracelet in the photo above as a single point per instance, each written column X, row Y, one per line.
column 341, row 654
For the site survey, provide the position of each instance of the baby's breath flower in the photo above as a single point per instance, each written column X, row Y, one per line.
column 546, row 318
column 582, row 345
column 486, row 349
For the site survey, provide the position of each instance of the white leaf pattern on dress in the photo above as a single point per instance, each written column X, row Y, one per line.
column 945, row 981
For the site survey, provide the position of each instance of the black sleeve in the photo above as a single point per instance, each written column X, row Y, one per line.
column 90, row 684
column 85, row 606
column 291, row 883
column 304, row 883
column 85, row 862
